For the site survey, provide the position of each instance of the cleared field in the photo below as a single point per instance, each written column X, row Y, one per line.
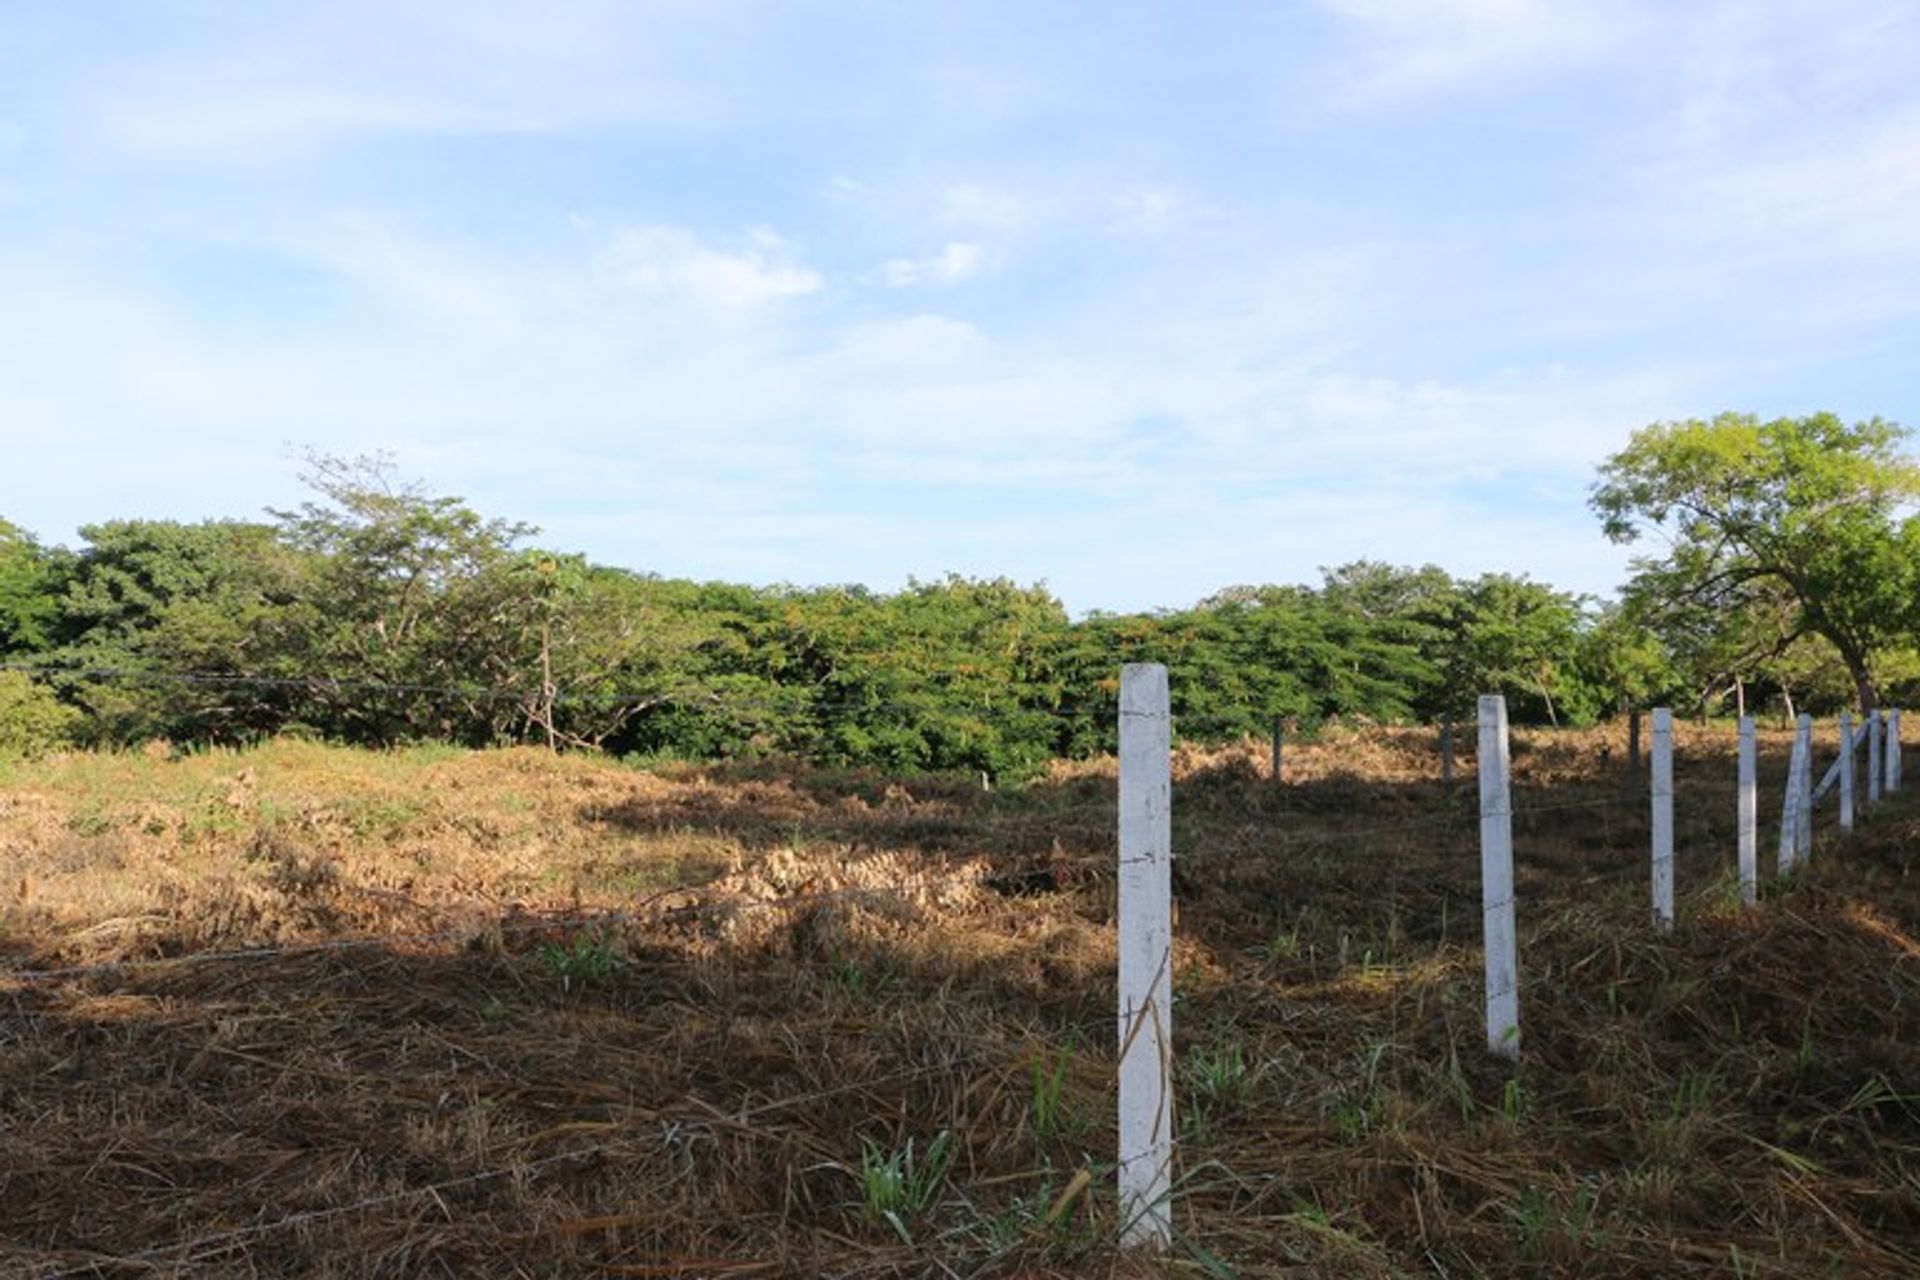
column 303, row 1011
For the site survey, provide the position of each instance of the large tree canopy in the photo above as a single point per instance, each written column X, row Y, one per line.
column 1810, row 512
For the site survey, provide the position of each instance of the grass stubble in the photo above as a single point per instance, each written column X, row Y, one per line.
column 303, row 1011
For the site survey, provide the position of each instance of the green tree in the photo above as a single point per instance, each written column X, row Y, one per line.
column 178, row 612
column 417, row 612
column 32, row 720
column 1622, row 661
column 31, row 581
column 1808, row 510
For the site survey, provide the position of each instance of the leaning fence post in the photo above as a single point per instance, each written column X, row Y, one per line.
column 1146, row 957
column 1663, row 819
column 1803, row 793
column 1748, row 810
column 1846, row 771
column 1790, row 811
column 1496, row 881
column 1279, row 733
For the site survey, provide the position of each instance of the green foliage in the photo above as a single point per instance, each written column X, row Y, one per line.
column 417, row 593
column 379, row 613
column 1052, row 1114
column 205, row 601
column 32, row 720
column 31, row 580
column 583, row 958
column 1776, row 531
column 899, row 1185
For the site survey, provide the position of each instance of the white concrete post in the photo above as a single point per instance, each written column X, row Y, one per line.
column 1662, row 792
column 1496, row 881
column 1748, row 810
column 1146, row 957
column 1875, row 776
column 1893, row 751
column 1846, row 771
column 1790, row 810
column 1803, row 794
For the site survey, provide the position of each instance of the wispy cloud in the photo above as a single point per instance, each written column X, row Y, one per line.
column 744, row 289
column 667, row 262
column 1407, row 50
column 949, row 266
column 970, row 204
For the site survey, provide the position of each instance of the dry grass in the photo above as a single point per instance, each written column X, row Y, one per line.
column 715, row 1022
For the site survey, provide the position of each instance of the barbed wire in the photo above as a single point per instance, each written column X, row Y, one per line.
column 644, row 915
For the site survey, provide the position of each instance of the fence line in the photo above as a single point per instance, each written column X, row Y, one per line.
column 1142, row 811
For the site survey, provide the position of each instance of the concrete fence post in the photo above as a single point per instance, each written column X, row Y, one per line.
column 1748, row 813
column 1662, row 792
column 1496, row 881
column 1846, row 771
column 1146, row 957
column 1803, row 794
column 1892, row 748
column 1790, row 811
column 1875, row 774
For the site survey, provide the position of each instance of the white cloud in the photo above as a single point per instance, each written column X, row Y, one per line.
column 666, row 262
column 421, row 280
column 1843, row 196
column 1144, row 210
column 972, row 205
column 916, row 343
column 952, row 264
column 256, row 119
column 1410, row 49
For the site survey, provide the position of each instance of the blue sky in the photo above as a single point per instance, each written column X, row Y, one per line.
column 1139, row 299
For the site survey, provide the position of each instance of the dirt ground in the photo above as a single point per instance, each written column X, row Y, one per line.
column 306, row 1011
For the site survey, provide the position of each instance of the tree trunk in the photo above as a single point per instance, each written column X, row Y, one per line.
column 1863, row 685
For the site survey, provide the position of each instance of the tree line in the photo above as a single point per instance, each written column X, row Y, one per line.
column 380, row 613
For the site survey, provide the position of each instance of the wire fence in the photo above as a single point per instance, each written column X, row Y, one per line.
column 661, row 911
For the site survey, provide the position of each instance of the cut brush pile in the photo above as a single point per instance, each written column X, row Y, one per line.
column 303, row 1011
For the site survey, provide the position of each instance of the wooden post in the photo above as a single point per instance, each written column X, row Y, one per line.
column 1748, row 813
column 1663, row 819
column 1279, row 732
column 1874, row 767
column 1496, row 881
column 1803, row 793
column 1633, row 748
column 1146, row 957
column 1446, row 753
